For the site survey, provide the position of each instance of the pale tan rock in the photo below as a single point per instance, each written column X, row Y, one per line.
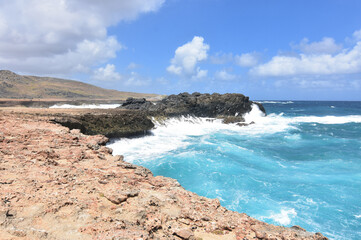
column 184, row 234
column 60, row 184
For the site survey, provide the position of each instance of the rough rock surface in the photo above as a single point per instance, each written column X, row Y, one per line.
column 196, row 104
column 111, row 123
column 57, row 183
column 108, row 122
column 137, row 103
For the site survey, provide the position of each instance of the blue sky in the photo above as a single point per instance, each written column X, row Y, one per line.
column 301, row 50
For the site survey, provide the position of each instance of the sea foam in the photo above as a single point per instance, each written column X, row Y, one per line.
column 284, row 217
column 286, row 169
column 167, row 136
column 175, row 133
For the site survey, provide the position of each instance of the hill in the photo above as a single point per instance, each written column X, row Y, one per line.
column 15, row 86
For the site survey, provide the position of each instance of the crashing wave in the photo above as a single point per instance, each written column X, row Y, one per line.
column 175, row 133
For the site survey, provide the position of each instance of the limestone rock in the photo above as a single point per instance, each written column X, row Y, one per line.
column 90, row 194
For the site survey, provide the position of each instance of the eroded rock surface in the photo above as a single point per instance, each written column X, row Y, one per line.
column 197, row 104
column 111, row 123
column 62, row 184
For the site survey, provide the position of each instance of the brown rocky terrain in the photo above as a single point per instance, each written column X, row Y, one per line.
column 108, row 122
column 57, row 183
column 15, row 86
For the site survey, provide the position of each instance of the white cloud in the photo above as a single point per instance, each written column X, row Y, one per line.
column 345, row 62
column 36, row 35
column 200, row 74
column 107, row 73
column 224, row 75
column 187, row 57
column 137, row 80
column 85, row 55
column 326, row 46
column 357, row 35
column 247, row 59
column 175, row 69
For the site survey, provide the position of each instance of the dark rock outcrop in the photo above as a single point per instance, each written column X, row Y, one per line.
column 112, row 124
column 137, row 103
column 197, row 104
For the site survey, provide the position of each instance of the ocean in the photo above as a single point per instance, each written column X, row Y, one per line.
column 299, row 165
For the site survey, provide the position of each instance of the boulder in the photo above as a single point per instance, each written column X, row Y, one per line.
column 137, row 103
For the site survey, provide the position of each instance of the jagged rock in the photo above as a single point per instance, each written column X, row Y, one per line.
column 142, row 171
column 117, row 199
column 233, row 119
column 296, row 227
column 196, row 104
column 136, row 103
column 184, row 234
column 109, row 123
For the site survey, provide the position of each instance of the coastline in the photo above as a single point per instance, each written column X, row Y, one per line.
column 58, row 183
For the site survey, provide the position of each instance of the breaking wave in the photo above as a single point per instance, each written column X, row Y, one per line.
column 286, row 168
column 175, row 133
column 284, row 217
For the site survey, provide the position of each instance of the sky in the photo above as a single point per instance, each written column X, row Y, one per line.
column 265, row 49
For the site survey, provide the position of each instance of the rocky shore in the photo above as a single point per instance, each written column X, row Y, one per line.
column 57, row 183
column 112, row 123
column 108, row 122
column 133, row 118
column 226, row 106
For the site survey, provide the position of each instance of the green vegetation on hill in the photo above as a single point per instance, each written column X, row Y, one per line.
column 16, row 86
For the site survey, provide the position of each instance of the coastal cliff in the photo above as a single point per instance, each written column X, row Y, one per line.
column 62, row 184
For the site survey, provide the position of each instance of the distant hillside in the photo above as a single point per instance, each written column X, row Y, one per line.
column 16, row 86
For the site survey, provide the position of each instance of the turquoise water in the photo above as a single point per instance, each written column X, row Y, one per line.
column 300, row 165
